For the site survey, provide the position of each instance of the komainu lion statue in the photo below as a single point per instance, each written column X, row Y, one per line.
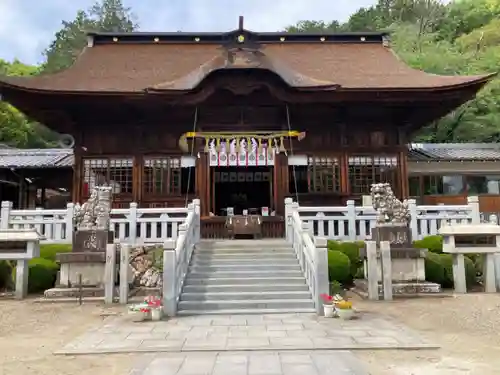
column 390, row 209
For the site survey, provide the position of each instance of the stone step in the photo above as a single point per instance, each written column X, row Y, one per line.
column 238, row 244
column 254, row 262
column 255, row 288
column 244, row 251
column 289, row 304
column 244, row 274
column 234, row 267
column 244, row 257
column 245, row 281
column 237, row 295
column 244, row 311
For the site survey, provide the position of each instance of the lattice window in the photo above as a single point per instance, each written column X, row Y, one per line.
column 367, row 170
column 115, row 172
column 323, row 174
column 162, row 176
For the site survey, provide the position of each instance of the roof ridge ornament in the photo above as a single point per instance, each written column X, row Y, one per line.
column 241, row 23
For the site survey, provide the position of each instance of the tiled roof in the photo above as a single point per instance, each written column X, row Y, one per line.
column 134, row 66
column 36, row 158
column 454, row 151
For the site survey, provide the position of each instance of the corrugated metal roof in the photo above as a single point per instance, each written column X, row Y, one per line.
column 36, row 158
column 454, row 151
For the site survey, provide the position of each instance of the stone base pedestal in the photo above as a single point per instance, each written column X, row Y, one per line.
column 400, row 288
column 56, row 293
column 403, row 269
column 92, row 274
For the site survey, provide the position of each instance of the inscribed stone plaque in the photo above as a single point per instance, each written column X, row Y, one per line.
column 475, row 240
column 91, row 240
column 397, row 236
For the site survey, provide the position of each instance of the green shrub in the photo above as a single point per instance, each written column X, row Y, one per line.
column 42, row 274
column 434, row 269
column 5, row 274
column 432, row 243
column 332, row 245
column 470, row 271
column 339, row 267
column 49, row 251
column 351, row 249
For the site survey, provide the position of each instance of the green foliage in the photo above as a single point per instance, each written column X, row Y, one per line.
column 5, row 274
column 459, row 38
column 71, row 39
column 432, row 243
column 42, row 274
column 434, row 269
column 339, row 267
column 49, row 251
column 470, row 271
column 351, row 249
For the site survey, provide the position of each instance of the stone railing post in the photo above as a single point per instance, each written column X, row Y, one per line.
column 109, row 274
column 124, row 272
column 169, row 278
column 68, row 232
column 412, row 207
column 351, row 220
column 5, row 214
column 288, row 220
column 197, row 220
column 473, row 203
column 386, row 266
column 132, row 222
column 321, row 273
column 372, row 270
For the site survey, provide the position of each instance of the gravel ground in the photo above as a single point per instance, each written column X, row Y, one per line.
column 30, row 332
column 466, row 327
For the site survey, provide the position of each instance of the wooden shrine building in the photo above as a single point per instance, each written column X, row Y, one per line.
column 239, row 119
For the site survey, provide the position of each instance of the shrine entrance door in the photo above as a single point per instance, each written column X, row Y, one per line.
column 242, row 188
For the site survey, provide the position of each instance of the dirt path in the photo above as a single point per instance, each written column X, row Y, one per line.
column 30, row 332
column 467, row 328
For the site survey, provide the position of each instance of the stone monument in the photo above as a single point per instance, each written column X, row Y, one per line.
column 88, row 256
column 393, row 226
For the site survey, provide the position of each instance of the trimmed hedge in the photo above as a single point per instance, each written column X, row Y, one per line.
column 42, row 272
column 470, row 270
column 351, row 249
column 49, row 251
column 433, row 243
column 339, row 267
column 434, row 269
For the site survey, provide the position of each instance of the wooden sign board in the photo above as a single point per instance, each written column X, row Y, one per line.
column 478, row 240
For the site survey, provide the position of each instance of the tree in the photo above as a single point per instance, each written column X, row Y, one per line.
column 459, row 38
column 15, row 129
column 103, row 16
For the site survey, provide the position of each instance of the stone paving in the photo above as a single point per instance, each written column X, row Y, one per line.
column 251, row 363
column 274, row 332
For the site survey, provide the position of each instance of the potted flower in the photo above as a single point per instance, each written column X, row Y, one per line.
column 344, row 309
column 328, row 307
column 154, row 303
column 139, row 313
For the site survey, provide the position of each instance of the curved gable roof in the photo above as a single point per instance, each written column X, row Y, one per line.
column 178, row 63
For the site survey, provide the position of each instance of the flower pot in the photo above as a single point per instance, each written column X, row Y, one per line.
column 156, row 314
column 345, row 314
column 329, row 311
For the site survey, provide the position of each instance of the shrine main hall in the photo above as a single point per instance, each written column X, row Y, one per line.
column 238, row 119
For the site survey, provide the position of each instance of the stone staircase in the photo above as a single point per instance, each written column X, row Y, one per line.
column 244, row 277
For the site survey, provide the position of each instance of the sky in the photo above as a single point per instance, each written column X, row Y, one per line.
column 27, row 27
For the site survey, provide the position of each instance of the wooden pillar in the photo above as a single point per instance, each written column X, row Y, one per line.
column 203, row 183
column 344, row 172
column 76, row 190
column 280, row 181
column 403, row 175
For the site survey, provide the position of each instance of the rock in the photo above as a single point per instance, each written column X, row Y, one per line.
column 143, row 269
